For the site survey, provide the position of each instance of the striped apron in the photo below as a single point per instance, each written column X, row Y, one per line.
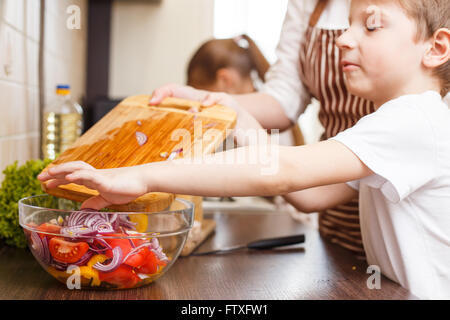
column 322, row 76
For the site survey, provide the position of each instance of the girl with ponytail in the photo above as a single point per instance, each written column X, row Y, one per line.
column 233, row 65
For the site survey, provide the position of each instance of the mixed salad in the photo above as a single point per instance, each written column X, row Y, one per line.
column 100, row 245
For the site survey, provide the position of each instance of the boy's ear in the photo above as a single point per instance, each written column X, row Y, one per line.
column 439, row 52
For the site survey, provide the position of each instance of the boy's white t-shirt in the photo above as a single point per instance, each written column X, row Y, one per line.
column 405, row 204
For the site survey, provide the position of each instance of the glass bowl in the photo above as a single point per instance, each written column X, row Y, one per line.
column 87, row 249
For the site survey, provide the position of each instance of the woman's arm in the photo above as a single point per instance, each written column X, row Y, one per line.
column 283, row 91
column 232, row 173
column 265, row 109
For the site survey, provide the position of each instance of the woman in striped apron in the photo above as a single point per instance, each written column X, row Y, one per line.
column 307, row 66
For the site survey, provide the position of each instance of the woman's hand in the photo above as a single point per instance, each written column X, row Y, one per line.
column 245, row 120
column 177, row 91
column 206, row 98
column 116, row 186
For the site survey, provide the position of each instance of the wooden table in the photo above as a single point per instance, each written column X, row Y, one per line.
column 315, row 270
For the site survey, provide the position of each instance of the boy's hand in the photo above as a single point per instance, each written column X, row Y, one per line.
column 116, row 186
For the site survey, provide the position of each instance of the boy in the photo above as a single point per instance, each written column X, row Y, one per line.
column 395, row 53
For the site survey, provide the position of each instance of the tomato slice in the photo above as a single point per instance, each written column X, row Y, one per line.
column 49, row 228
column 151, row 263
column 123, row 276
column 135, row 260
column 65, row 251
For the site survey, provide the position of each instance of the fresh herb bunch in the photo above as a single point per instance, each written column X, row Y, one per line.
column 19, row 182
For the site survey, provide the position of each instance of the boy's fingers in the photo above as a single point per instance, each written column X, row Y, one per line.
column 56, row 182
column 47, row 176
column 69, row 167
column 59, row 171
column 44, row 176
column 96, row 203
column 88, row 178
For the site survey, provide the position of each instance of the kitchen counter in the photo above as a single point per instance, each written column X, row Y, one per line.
column 314, row 270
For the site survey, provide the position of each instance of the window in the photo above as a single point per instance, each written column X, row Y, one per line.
column 260, row 19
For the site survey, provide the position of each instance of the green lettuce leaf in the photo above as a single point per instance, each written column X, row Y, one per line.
column 19, row 182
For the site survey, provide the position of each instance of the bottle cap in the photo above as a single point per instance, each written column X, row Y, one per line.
column 62, row 89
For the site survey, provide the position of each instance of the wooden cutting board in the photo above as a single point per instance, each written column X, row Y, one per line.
column 134, row 133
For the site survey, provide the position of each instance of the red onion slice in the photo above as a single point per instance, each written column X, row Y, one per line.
column 77, row 231
column 103, row 227
column 143, row 276
column 158, row 250
column 132, row 243
column 141, row 138
column 104, row 243
column 60, row 266
column 114, row 264
column 124, row 222
column 160, row 254
column 174, row 154
column 114, row 221
column 137, row 249
column 75, row 218
column 40, row 247
column 79, row 217
column 155, row 243
column 97, row 250
column 94, row 219
column 153, row 246
column 88, row 255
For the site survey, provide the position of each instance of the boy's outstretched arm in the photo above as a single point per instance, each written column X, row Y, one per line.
column 320, row 198
column 280, row 170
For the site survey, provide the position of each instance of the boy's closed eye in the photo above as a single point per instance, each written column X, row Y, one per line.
column 373, row 18
column 373, row 28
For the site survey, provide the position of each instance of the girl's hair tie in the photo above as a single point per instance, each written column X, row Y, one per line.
column 241, row 42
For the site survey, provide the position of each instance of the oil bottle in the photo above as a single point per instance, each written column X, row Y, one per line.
column 62, row 123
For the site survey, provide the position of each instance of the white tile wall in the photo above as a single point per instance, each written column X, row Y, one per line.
column 32, row 20
column 17, row 112
column 13, row 13
column 21, row 148
column 12, row 56
column 65, row 60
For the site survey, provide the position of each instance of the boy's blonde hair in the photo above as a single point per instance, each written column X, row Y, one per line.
column 431, row 15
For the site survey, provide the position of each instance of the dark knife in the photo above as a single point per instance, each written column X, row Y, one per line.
column 259, row 245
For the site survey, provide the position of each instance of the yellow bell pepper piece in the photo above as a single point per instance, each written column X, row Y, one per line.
column 141, row 221
column 90, row 273
column 57, row 274
column 87, row 272
column 97, row 258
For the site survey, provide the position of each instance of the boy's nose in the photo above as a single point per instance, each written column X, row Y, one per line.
column 345, row 41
